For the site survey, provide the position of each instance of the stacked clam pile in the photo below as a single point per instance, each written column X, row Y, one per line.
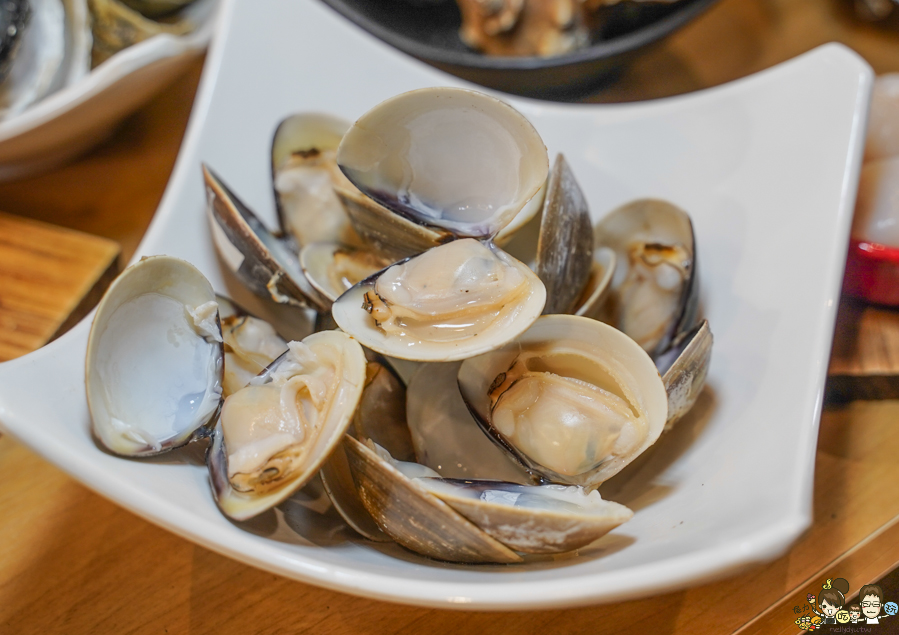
column 391, row 230
column 47, row 45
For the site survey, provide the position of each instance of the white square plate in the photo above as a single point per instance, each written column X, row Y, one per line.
column 767, row 166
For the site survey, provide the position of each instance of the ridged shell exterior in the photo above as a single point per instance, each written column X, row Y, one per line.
column 527, row 529
column 565, row 246
column 253, row 253
column 416, row 519
column 685, row 378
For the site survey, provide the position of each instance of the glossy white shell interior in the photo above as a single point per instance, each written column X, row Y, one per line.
column 153, row 370
column 456, row 159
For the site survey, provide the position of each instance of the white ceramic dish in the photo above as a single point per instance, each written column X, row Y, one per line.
column 768, row 168
column 75, row 118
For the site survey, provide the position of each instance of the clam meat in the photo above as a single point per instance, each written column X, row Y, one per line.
column 304, row 177
column 451, row 302
column 274, row 434
column 655, row 291
column 250, row 344
column 573, row 399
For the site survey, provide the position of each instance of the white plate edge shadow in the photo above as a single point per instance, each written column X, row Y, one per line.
column 665, row 575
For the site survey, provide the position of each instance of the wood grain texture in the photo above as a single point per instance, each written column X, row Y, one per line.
column 864, row 362
column 866, row 341
column 73, row 563
column 48, row 277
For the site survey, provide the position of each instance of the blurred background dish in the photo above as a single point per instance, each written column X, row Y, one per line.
column 430, row 31
column 53, row 105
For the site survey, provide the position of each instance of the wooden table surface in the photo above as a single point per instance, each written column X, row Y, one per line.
column 71, row 562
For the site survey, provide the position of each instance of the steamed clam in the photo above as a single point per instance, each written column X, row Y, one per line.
column 274, row 434
column 154, row 359
column 304, row 176
column 655, row 294
column 451, row 302
column 466, row 163
column 449, row 158
column 574, row 400
column 260, row 259
column 475, row 521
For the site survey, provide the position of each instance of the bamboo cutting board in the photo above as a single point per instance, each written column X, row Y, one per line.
column 864, row 362
column 50, row 277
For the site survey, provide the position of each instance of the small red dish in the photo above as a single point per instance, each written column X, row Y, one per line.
column 872, row 272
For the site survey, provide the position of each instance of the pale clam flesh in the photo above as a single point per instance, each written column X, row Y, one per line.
column 574, row 400
column 274, row 434
column 655, row 288
column 451, row 302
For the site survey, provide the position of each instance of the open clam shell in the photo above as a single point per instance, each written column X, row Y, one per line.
column 275, row 434
column 599, row 283
column 531, row 518
column 409, row 514
column 450, row 158
column 304, row 176
column 565, row 245
column 684, row 369
column 655, row 289
column 333, row 268
column 454, row 301
column 154, row 358
column 574, row 400
column 446, row 437
column 260, row 260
